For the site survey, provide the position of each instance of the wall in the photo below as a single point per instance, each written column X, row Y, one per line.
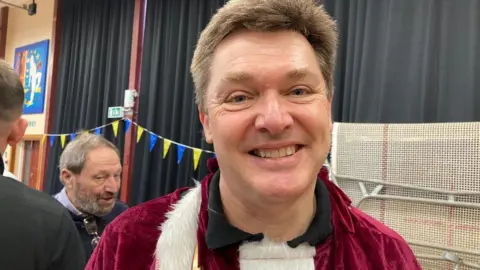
column 23, row 30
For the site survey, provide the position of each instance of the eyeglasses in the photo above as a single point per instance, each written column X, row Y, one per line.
column 92, row 229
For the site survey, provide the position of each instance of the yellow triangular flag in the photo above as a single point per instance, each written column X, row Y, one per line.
column 139, row 133
column 43, row 139
column 115, row 128
column 196, row 157
column 166, row 146
column 62, row 139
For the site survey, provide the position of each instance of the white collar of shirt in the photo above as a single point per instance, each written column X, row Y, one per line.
column 10, row 175
column 62, row 198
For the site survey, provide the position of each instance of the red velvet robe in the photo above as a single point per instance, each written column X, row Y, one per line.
column 134, row 240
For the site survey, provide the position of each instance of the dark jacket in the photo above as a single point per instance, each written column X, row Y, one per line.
column 102, row 222
column 35, row 231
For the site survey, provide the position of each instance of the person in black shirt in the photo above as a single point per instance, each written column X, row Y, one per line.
column 36, row 232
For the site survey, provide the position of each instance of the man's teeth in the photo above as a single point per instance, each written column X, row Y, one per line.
column 276, row 153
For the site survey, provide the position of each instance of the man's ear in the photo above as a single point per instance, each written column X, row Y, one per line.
column 17, row 132
column 206, row 125
column 66, row 176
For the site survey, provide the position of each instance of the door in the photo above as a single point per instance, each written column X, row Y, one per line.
column 31, row 163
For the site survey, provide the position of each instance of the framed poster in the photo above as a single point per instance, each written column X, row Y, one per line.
column 31, row 62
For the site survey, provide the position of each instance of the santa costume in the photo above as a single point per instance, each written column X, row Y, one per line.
column 187, row 230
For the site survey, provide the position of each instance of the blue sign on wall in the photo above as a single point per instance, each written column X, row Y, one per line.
column 31, row 64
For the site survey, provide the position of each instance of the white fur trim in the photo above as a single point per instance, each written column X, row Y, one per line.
column 268, row 255
column 176, row 245
column 177, row 242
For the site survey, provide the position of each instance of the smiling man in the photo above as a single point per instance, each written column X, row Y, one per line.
column 90, row 170
column 263, row 71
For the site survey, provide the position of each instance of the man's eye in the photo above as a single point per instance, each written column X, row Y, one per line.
column 238, row 99
column 298, row 91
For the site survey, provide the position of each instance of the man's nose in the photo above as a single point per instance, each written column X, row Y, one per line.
column 112, row 184
column 273, row 117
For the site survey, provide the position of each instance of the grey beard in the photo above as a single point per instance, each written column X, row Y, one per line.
column 89, row 205
column 92, row 208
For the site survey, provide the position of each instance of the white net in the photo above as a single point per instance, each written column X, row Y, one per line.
column 422, row 180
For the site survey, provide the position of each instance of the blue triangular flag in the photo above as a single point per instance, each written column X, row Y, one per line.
column 127, row 125
column 153, row 141
column 52, row 140
column 98, row 131
column 214, row 155
column 73, row 136
column 180, row 151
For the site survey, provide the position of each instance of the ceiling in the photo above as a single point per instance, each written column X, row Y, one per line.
column 16, row 2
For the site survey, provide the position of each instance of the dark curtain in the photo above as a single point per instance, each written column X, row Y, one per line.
column 93, row 71
column 166, row 102
column 407, row 61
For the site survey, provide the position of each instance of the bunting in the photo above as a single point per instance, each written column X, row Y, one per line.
column 141, row 131
column 62, row 139
column 52, row 141
column 127, row 125
column 115, row 128
column 43, row 139
column 153, row 141
column 196, row 157
column 180, row 151
column 166, row 146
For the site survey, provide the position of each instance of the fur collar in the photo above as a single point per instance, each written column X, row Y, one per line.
column 176, row 246
column 178, row 240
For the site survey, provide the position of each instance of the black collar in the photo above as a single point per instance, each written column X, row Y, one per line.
column 221, row 234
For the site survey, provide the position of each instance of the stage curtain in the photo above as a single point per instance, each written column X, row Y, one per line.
column 407, row 61
column 93, row 71
column 167, row 105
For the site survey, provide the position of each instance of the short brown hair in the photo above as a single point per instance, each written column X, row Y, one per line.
column 303, row 16
column 11, row 93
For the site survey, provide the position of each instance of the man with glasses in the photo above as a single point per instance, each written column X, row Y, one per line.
column 90, row 170
column 35, row 231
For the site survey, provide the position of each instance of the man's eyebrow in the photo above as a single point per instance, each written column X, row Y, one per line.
column 107, row 172
column 238, row 77
column 245, row 76
column 298, row 73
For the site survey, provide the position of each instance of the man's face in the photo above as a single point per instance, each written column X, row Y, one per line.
column 268, row 114
column 95, row 189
